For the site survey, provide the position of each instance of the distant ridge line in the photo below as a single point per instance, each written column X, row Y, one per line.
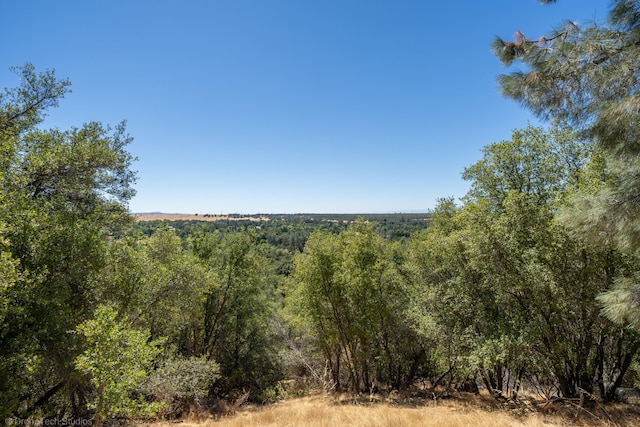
column 408, row 212
column 158, row 216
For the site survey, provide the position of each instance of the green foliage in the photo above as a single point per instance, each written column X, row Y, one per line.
column 22, row 108
column 9, row 278
column 274, row 393
column 621, row 302
column 155, row 281
column 536, row 162
column 10, row 281
column 62, row 194
column 512, row 294
column 117, row 359
column 587, row 76
column 181, row 382
column 291, row 231
column 348, row 294
column 237, row 312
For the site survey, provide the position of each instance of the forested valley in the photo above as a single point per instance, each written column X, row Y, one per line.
column 529, row 284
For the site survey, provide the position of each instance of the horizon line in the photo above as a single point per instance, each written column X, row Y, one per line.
column 413, row 211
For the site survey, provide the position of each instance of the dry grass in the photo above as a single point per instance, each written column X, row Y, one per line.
column 326, row 411
column 190, row 217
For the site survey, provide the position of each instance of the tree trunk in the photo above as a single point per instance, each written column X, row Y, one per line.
column 43, row 400
column 417, row 361
column 624, row 366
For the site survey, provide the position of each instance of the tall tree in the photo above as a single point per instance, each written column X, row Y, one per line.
column 63, row 193
column 348, row 294
column 587, row 76
column 237, row 311
column 514, row 287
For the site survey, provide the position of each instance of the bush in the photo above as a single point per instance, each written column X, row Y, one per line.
column 182, row 383
column 116, row 359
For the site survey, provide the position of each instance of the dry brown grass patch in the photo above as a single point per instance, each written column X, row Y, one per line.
column 190, row 217
column 326, row 410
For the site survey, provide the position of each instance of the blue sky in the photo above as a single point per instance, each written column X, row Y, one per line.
column 285, row 106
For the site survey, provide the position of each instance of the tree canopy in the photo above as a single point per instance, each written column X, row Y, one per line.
column 587, row 77
column 63, row 193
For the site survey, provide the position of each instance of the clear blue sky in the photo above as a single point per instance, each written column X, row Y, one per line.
column 284, row 106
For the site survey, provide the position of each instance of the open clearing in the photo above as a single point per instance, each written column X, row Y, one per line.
column 326, row 411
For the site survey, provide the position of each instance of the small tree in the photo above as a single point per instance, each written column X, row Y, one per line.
column 117, row 359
